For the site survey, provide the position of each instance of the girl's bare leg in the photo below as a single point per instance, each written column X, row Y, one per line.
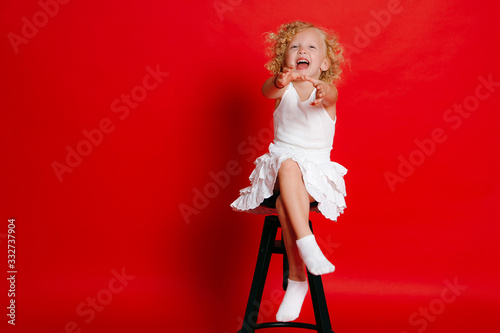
column 297, row 283
column 294, row 202
column 294, row 197
column 296, row 270
column 292, row 207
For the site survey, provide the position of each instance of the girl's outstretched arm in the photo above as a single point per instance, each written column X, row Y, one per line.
column 326, row 93
column 269, row 89
column 273, row 87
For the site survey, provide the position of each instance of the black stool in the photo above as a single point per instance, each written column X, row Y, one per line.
column 268, row 246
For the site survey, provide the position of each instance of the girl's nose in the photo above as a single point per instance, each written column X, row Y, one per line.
column 302, row 50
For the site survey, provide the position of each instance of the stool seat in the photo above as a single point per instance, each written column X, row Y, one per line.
column 269, row 245
column 271, row 202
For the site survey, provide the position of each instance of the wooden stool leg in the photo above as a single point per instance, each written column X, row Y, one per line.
column 285, row 264
column 271, row 224
column 320, row 307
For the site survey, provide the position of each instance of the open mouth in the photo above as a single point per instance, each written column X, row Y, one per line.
column 302, row 64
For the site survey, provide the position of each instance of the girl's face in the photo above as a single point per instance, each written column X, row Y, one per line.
column 307, row 53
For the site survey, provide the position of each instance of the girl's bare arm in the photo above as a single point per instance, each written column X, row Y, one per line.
column 274, row 86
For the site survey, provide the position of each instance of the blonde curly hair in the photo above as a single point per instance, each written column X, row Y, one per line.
column 278, row 45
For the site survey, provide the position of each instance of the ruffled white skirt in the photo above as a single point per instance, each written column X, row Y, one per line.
column 323, row 179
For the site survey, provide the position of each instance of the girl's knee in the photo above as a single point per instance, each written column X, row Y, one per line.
column 289, row 168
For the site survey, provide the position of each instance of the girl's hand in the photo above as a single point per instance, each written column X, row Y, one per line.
column 322, row 89
column 288, row 75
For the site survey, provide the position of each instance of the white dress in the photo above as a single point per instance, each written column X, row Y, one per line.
column 303, row 133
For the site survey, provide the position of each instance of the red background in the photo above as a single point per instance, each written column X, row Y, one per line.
column 120, row 207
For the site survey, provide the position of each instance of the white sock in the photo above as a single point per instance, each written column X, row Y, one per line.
column 292, row 302
column 314, row 259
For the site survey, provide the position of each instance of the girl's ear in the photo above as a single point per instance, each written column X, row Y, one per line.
column 325, row 65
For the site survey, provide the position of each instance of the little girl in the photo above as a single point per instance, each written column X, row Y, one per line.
column 305, row 61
